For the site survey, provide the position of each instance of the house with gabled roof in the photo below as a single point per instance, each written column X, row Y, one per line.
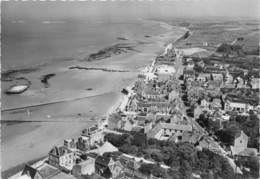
column 102, row 166
column 239, row 148
column 31, row 173
column 61, row 157
column 116, row 168
column 42, row 171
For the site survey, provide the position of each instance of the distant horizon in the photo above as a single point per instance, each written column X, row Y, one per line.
column 199, row 9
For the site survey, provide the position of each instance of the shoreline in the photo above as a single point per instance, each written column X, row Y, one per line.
column 168, row 37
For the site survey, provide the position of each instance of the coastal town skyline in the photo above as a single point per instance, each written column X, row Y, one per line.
column 130, row 90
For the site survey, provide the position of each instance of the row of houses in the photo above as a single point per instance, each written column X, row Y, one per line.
column 155, row 108
column 92, row 165
column 215, row 92
column 64, row 157
column 204, row 86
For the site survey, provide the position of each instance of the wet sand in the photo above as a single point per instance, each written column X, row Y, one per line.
column 72, row 106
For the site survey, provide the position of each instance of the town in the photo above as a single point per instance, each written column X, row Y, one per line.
column 184, row 117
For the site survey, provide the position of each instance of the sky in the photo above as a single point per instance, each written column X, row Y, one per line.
column 133, row 9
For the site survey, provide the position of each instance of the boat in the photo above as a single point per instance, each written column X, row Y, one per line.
column 17, row 89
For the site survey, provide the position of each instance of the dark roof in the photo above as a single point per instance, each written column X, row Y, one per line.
column 28, row 170
column 92, row 155
column 241, row 99
column 59, row 151
column 102, row 160
column 212, row 69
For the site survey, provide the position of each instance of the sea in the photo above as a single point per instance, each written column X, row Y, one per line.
column 29, row 42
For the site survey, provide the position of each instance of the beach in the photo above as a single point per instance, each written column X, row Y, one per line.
column 74, row 98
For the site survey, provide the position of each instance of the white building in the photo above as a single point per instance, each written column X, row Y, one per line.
column 238, row 106
column 255, row 82
column 162, row 131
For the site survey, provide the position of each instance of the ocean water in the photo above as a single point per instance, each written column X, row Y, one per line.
column 27, row 43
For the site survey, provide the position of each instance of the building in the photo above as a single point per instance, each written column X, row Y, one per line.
column 255, row 83
column 30, row 173
column 214, row 70
column 240, row 146
column 152, row 93
column 237, row 105
column 116, row 169
column 189, row 74
column 228, row 78
column 114, row 121
column 70, row 144
column 162, row 131
column 203, row 77
column 217, row 76
column 191, row 137
column 216, row 104
column 86, row 167
column 165, row 69
column 190, row 64
column 129, row 164
column 173, row 95
column 148, row 126
column 62, row 157
column 240, row 143
column 152, row 107
column 83, row 144
column 94, row 134
column 41, row 171
column 102, row 166
column 128, row 124
column 90, row 137
column 204, row 104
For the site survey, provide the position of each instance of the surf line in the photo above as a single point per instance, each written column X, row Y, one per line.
column 54, row 102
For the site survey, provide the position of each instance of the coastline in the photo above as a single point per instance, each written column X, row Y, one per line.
column 160, row 40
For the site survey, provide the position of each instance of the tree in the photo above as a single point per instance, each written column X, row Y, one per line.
column 187, row 152
column 146, row 168
column 227, row 135
column 153, row 169
column 186, row 169
column 203, row 161
column 158, row 171
column 116, row 139
column 157, row 156
column 139, row 139
column 129, row 149
column 174, row 174
column 226, row 170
